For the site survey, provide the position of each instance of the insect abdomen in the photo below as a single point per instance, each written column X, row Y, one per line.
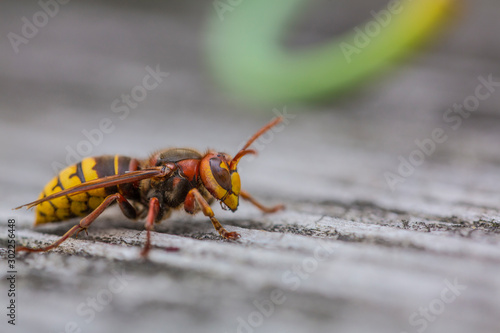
column 82, row 204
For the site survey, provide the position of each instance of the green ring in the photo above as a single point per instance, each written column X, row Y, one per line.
column 245, row 54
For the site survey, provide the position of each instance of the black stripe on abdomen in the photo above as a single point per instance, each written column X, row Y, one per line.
column 104, row 167
column 79, row 173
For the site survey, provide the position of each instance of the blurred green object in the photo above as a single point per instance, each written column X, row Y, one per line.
column 246, row 56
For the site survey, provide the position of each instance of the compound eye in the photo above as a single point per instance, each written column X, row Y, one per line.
column 221, row 174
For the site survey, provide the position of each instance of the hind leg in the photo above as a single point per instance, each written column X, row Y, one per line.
column 125, row 206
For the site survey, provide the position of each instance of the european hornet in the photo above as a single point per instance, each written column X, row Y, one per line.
column 169, row 179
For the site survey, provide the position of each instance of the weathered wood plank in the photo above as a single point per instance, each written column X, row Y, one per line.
column 348, row 254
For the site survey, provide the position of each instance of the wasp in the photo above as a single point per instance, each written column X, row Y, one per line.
column 169, row 179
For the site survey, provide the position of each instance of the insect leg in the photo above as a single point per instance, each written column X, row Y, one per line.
column 245, row 195
column 193, row 197
column 86, row 221
column 154, row 208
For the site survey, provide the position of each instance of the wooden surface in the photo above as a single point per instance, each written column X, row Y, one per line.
column 348, row 254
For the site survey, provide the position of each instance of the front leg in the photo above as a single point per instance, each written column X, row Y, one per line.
column 245, row 195
column 195, row 198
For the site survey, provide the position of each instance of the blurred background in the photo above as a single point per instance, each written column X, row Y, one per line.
column 66, row 76
column 373, row 98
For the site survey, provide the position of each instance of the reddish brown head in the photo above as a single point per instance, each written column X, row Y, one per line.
column 219, row 172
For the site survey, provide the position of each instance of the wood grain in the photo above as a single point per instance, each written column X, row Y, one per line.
column 348, row 254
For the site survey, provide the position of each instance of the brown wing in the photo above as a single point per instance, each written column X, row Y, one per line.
column 129, row 177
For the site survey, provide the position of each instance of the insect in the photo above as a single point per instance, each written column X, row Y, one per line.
column 169, row 179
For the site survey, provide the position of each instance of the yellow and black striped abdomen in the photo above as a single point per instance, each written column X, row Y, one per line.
column 82, row 204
